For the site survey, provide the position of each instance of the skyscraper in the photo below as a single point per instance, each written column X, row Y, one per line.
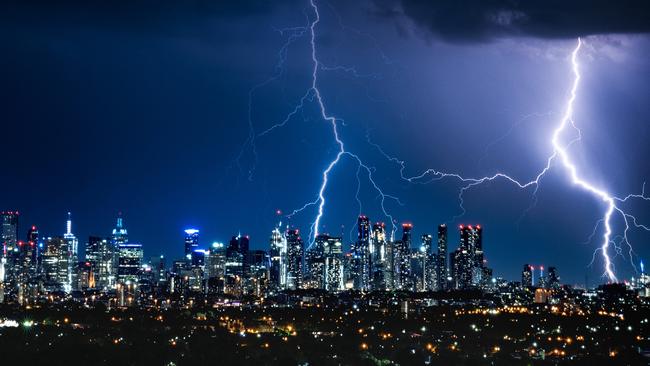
column 56, row 264
column 258, row 273
column 527, row 276
column 333, row 253
column 129, row 263
column 9, row 253
column 468, row 258
column 101, row 256
column 427, row 275
column 553, row 278
column 9, row 229
column 441, row 262
column 191, row 243
column 278, row 257
column 25, row 268
column 382, row 259
column 216, row 262
column 402, row 259
column 295, row 252
column 73, row 255
column 120, row 235
column 238, row 249
column 315, row 263
column 362, row 255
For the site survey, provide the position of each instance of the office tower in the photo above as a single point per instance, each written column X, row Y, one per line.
column 56, row 264
column 362, row 255
column 441, row 258
column 240, row 244
column 93, row 247
column 278, row 256
column 85, row 276
column 198, row 257
column 9, row 229
column 382, row 259
column 315, row 263
column 26, row 287
column 235, row 258
column 471, row 242
column 295, row 253
column 73, row 255
column 542, row 279
column 191, row 242
column 468, row 261
column 553, row 278
column 101, row 254
column 333, row 271
column 129, row 263
column 158, row 268
column 29, row 253
column 196, row 271
column 215, row 268
column 428, row 275
column 72, row 239
column 257, row 280
column 527, row 276
column 402, row 259
column 9, row 252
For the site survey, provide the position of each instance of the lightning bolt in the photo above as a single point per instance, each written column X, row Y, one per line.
column 293, row 34
column 313, row 95
column 560, row 152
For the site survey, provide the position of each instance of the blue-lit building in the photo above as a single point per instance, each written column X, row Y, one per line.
column 191, row 242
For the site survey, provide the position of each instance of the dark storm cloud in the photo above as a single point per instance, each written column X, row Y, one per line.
column 140, row 15
column 483, row 20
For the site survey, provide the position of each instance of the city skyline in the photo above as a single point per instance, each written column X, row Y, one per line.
column 191, row 240
column 166, row 106
column 327, row 182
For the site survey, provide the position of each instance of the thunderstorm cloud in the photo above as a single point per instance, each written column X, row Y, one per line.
column 485, row 20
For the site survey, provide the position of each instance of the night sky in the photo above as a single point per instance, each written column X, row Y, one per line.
column 142, row 107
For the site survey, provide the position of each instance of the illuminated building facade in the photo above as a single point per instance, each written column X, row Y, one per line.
column 295, row 253
column 278, row 258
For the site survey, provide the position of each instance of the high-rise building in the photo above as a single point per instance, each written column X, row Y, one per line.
column 29, row 253
column 441, row 258
column 129, row 263
column 56, row 264
column 402, row 259
column 362, row 255
column 542, row 278
column 191, row 243
column 315, row 263
column 333, row 271
column 9, row 229
column 382, row 259
column 427, row 276
column 237, row 254
column 10, row 252
column 25, row 269
column 527, row 276
column 73, row 255
column 258, row 274
column 553, row 278
column 120, row 234
column 101, row 255
column 295, row 253
column 468, row 269
column 278, row 257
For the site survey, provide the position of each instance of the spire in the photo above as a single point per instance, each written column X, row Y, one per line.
column 119, row 220
column 68, row 225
